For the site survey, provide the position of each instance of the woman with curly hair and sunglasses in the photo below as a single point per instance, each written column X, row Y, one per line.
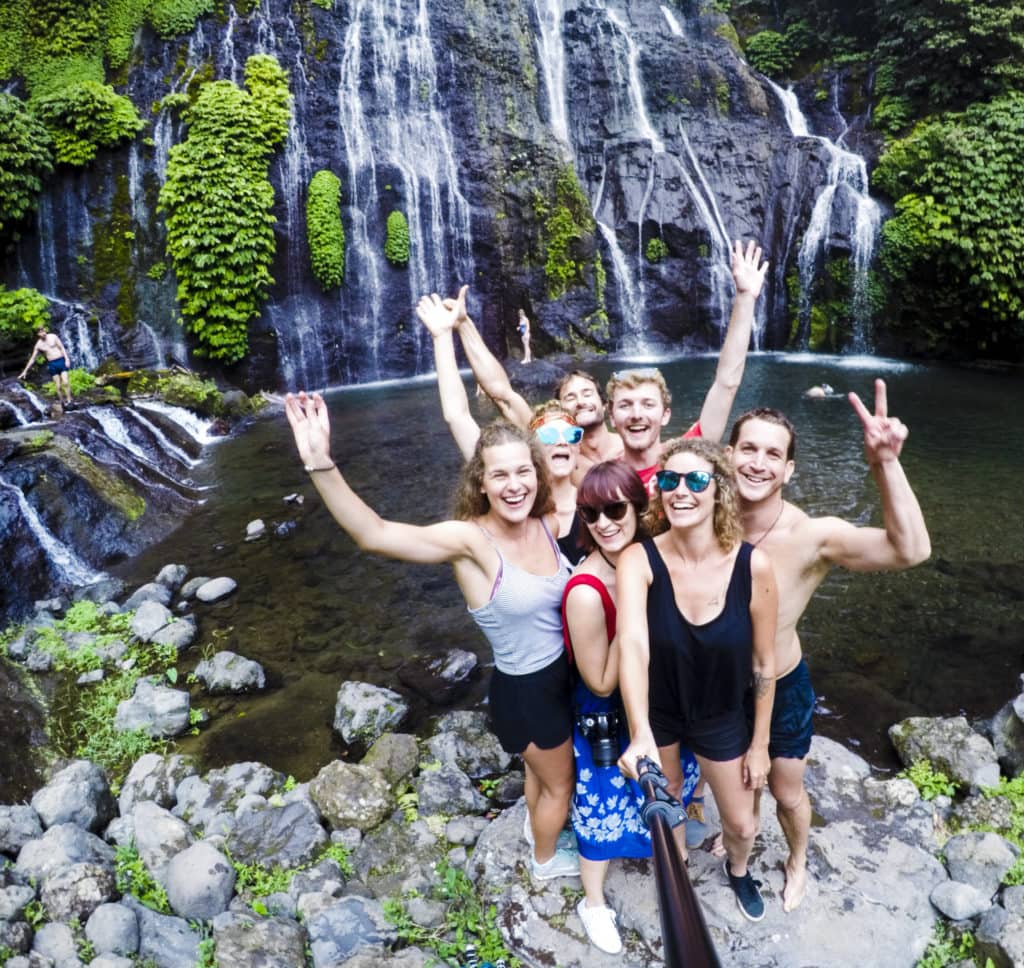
column 511, row 574
column 697, row 614
column 606, row 811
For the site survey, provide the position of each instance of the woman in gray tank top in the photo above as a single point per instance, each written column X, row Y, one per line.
column 511, row 575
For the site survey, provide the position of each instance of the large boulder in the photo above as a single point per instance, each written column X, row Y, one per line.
column 57, row 943
column 228, row 672
column 215, row 589
column 77, row 794
column 19, row 824
column 447, row 790
column 180, row 633
column 440, row 679
column 245, row 940
column 1000, row 933
column 462, row 738
column 980, row 859
column 399, row 857
column 60, row 847
column 149, row 618
column 396, row 755
column 950, row 745
column 167, row 942
column 154, row 708
column 200, row 882
column 113, row 929
column 348, row 927
column 288, row 836
column 150, row 592
column 154, row 777
column 76, row 891
column 351, row 795
column 172, row 576
column 159, row 836
column 363, row 712
column 1008, row 738
column 201, row 799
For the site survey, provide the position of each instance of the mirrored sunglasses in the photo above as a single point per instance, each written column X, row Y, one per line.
column 557, row 433
column 696, row 481
column 615, row 511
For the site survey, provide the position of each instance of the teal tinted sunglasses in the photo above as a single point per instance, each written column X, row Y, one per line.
column 696, row 481
column 553, row 433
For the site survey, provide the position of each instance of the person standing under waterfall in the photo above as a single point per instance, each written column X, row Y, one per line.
column 524, row 334
column 58, row 363
column 803, row 550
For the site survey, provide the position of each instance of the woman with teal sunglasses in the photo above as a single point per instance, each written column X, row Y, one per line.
column 697, row 614
column 556, row 431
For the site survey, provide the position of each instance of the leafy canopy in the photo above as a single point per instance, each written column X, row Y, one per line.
column 26, row 157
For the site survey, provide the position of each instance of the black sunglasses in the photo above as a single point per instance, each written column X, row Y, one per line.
column 615, row 511
column 696, row 481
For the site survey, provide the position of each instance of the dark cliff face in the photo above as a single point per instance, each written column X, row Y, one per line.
column 462, row 114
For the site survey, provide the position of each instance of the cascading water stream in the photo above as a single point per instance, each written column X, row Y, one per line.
column 23, row 421
column 551, row 55
column 195, row 426
column 847, row 178
column 71, row 569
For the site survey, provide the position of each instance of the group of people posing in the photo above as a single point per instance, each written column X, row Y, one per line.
column 640, row 596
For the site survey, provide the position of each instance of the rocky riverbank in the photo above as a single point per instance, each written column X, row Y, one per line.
column 391, row 859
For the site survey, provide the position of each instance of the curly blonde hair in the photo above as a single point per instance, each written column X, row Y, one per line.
column 726, row 519
column 471, row 502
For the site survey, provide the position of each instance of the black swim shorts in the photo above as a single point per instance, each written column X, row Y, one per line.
column 534, row 708
column 56, row 366
column 792, row 714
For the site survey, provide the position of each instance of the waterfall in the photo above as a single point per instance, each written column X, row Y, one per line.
column 71, row 569
column 400, row 133
column 42, row 410
column 23, row 421
column 673, row 23
column 847, row 179
column 551, row 54
column 165, row 442
column 198, row 428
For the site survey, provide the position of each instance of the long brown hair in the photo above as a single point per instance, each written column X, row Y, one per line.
column 726, row 519
column 471, row 502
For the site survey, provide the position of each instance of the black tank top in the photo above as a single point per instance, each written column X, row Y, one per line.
column 570, row 543
column 699, row 672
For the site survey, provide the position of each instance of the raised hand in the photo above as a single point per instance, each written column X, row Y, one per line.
column 883, row 435
column 441, row 315
column 307, row 415
column 748, row 271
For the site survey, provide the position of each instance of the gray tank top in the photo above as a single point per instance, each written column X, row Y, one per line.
column 523, row 619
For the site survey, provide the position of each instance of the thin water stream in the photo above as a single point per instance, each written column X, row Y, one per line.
column 945, row 638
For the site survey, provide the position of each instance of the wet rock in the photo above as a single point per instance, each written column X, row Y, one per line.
column 398, row 857
column 285, row 837
column 980, row 859
column 180, row 632
column 448, row 790
column 150, row 592
column 56, row 942
column 18, row 825
column 13, row 901
column 960, row 902
column 950, row 745
column 149, row 618
column 396, row 755
column 255, row 529
column 284, row 529
column 362, row 712
column 172, row 576
column 249, row 941
column 462, row 739
column 155, row 708
column 189, row 589
column 441, row 679
column 228, row 672
column 60, row 847
column 1008, row 739
column 77, row 794
column 159, row 836
column 216, row 589
column 103, row 591
column 200, row 882
column 76, row 891
column 154, row 777
column 168, row 941
column 351, row 795
column 113, row 929
column 350, row 926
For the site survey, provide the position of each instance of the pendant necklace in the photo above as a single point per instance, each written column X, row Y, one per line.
column 771, row 526
column 610, row 564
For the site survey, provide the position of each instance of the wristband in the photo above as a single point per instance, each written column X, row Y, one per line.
column 310, row 469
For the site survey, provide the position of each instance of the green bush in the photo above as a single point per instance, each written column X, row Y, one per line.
column 770, row 53
column 191, row 392
column 124, row 17
column 656, row 250
column 892, row 115
column 22, row 312
column 396, row 244
column 172, row 18
column 218, row 203
column 26, row 157
column 85, row 117
column 324, row 231
column 565, row 224
column 78, row 379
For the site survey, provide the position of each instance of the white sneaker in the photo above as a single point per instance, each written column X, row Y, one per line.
column 560, row 864
column 599, row 923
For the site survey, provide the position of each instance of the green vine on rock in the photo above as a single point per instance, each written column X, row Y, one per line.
column 85, row 117
column 396, row 243
column 566, row 223
column 218, row 203
column 324, row 231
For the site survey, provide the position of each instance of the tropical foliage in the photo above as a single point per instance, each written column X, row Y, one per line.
column 324, row 231
column 217, row 200
column 396, row 242
column 22, row 312
column 26, row 153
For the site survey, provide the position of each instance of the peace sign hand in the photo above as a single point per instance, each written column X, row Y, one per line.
column 883, row 435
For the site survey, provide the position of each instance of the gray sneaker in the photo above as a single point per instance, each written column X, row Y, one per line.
column 560, row 864
column 566, row 839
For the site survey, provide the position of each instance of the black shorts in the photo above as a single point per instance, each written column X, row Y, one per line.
column 719, row 739
column 535, row 708
column 792, row 715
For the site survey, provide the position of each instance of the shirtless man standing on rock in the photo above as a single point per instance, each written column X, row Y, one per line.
column 57, row 362
column 802, row 551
